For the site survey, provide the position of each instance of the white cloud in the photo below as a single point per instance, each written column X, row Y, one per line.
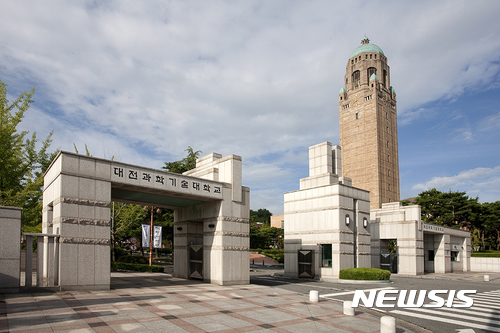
column 481, row 181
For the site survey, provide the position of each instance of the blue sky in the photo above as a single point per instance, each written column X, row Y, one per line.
column 144, row 80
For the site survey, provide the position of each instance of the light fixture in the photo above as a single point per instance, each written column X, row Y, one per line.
column 365, row 222
column 347, row 220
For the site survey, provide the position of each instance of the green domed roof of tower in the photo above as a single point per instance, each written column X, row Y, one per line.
column 366, row 47
column 392, row 90
column 373, row 77
column 342, row 91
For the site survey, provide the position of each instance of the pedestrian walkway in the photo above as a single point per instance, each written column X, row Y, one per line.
column 158, row 302
column 484, row 313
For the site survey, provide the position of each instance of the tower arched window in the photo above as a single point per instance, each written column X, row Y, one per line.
column 385, row 78
column 355, row 79
column 370, row 71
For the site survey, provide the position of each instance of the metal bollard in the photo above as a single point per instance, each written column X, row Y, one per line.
column 387, row 324
column 348, row 309
column 486, row 278
column 314, row 296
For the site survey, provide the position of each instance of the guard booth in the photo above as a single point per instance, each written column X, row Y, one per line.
column 211, row 216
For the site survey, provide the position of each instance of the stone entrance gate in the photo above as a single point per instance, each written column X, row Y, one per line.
column 211, row 209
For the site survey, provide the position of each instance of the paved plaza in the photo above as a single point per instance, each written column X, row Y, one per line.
column 158, row 302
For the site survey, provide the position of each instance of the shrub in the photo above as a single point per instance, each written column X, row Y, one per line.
column 165, row 250
column 132, row 259
column 487, row 254
column 136, row 267
column 363, row 273
column 278, row 255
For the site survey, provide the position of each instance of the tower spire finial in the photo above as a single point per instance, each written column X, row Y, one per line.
column 365, row 40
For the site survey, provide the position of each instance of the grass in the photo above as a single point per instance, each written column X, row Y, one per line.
column 487, row 254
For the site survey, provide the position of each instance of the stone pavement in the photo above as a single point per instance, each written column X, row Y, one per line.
column 158, row 302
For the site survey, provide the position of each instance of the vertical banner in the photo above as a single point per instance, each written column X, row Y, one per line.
column 157, row 237
column 146, row 236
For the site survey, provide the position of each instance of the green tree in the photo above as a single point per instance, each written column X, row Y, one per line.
column 262, row 215
column 21, row 166
column 447, row 208
column 186, row 164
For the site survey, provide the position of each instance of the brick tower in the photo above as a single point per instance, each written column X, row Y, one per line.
column 368, row 125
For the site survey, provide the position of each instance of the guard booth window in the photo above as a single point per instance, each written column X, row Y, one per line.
column 326, row 255
column 454, row 255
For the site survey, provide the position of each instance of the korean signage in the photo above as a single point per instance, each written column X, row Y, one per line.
column 123, row 173
column 433, row 228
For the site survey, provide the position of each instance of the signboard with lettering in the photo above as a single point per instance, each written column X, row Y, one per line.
column 433, row 228
column 132, row 175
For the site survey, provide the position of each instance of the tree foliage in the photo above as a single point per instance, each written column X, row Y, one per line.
column 21, row 165
column 456, row 209
column 266, row 237
column 262, row 216
column 186, row 164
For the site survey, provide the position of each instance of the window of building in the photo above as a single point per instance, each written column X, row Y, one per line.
column 356, row 60
column 326, row 255
column 352, row 61
column 431, row 255
column 389, row 173
column 359, row 58
column 370, row 56
column 387, row 144
column 389, row 187
column 454, row 255
column 355, row 79
column 386, row 115
column 357, row 116
column 388, row 158
column 366, row 56
column 375, row 56
column 385, row 78
column 370, row 71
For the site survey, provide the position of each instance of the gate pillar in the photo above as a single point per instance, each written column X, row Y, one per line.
column 224, row 224
column 76, row 206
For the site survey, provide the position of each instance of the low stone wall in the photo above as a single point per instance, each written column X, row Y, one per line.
column 478, row 264
column 10, row 249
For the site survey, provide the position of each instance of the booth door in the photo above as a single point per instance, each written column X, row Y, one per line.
column 306, row 263
column 196, row 261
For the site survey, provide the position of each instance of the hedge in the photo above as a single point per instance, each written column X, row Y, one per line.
column 132, row 259
column 363, row 273
column 136, row 267
column 486, row 254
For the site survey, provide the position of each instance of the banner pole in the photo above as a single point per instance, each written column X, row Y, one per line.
column 151, row 240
